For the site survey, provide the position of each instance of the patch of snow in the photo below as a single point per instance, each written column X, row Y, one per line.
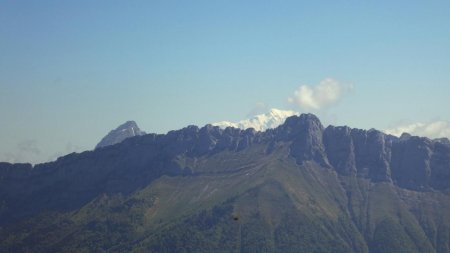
column 261, row 122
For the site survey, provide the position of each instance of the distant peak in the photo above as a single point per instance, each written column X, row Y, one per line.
column 283, row 112
column 261, row 122
column 129, row 123
column 122, row 132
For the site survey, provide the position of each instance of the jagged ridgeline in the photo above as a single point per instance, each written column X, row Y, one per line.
column 296, row 188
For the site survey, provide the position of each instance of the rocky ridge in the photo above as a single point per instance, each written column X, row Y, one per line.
column 409, row 161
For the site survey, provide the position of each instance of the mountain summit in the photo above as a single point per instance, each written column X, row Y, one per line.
column 260, row 122
column 124, row 131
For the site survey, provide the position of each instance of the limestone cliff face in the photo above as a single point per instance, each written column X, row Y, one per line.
column 440, row 166
column 305, row 133
column 340, row 149
column 411, row 163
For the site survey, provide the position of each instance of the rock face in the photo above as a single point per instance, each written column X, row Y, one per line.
column 372, row 154
column 305, row 132
column 340, row 149
column 124, row 131
column 440, row 166
column 411, row 162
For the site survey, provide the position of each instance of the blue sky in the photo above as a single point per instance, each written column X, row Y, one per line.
column 70, row 71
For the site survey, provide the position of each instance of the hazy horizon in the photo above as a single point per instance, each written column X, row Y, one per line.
column 72, row 71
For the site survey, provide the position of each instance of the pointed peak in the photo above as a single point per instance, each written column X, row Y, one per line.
column 122, row 132
column 282, row 112
column 128, row 124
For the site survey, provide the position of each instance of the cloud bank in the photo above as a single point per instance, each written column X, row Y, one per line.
column 436, row 129
column 326, row 93
column 25, row 151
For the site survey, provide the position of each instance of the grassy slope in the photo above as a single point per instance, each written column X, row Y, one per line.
column 279, row 207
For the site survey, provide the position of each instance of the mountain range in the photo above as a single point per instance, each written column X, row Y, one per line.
column 298, row 187
column 260, row 122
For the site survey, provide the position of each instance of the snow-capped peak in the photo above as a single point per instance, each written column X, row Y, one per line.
column 260, row 122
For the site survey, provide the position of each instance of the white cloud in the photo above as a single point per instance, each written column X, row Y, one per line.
column 326, row 93
column 436, row 129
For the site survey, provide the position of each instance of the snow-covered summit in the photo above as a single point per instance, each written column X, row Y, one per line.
column 261, row 122
column 124, row 131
